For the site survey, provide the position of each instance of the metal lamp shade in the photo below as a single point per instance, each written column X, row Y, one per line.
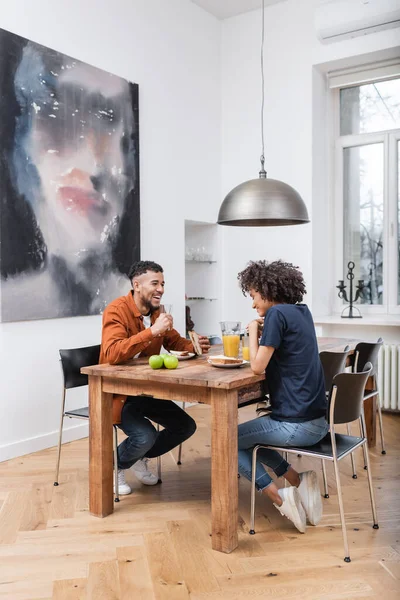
column 263, row 203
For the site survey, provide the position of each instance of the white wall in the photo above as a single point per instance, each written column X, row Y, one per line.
column 296, row 125
column 171, row 49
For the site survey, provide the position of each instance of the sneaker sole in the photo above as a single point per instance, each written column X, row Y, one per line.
column 295, row 502
column 120, row 493
column 146, row 482
column 314, row 514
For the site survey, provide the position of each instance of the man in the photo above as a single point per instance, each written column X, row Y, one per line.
column 134, row 326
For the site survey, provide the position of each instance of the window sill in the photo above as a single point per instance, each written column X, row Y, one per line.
column 367, row 320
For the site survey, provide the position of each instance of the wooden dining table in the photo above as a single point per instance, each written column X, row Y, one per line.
column 193, row 381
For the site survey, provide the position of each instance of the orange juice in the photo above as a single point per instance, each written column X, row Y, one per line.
column 246, row 353
column 231, row 345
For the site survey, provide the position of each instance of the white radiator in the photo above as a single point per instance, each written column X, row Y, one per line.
column 389, row 377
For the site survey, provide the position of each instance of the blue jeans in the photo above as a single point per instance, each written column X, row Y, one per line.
column 265, row 430
column 143, row 438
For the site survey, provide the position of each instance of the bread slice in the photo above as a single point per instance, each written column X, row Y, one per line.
column 225, row 360
column 180, row 352
column 194, row 338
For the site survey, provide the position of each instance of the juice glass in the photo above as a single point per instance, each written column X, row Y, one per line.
column 231, row 337
column 245, row 346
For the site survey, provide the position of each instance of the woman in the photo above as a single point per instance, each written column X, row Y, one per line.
column 288, row 353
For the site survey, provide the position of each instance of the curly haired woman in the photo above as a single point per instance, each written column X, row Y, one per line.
column 288, row 353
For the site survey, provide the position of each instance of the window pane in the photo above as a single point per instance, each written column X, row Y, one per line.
column 363, row 218
column 368, row 108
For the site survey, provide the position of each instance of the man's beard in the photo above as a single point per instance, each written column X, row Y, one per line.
column 151, row 309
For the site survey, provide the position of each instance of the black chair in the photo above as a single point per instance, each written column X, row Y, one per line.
column 72, row 361
column 332, row 364
column 346, row 404
column 368, row 352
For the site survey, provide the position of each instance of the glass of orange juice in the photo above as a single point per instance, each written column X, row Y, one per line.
column 231, row 337
column 245, row 346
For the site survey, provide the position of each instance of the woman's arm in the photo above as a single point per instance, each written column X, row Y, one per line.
column 259, row 355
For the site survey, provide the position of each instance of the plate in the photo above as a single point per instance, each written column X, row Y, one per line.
column 190, row 355
column 234, row 366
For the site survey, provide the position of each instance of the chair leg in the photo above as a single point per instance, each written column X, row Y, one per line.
column 341, row 511
column 371, row 489
column 378, row 401
column 253, row 491
column 326, row 495
column 364, row 448
column 60, row 439
column 353, row 466
column 180, row 445
column 285, row 456
column 116, row 498
column 159, row 462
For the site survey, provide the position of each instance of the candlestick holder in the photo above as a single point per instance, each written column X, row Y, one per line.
column 351, row 300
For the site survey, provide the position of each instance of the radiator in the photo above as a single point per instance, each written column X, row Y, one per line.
column 389, row 377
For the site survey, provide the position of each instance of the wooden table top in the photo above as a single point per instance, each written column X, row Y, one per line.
column 197, row 371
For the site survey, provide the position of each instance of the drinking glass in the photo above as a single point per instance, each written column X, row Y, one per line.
column 245, row 346
column 166, row 308
column 231, row 337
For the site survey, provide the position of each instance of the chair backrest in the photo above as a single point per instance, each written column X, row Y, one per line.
column 332, row 364
column 73, row 360
column 347, row 396
column 366, row 352
column 214, row 340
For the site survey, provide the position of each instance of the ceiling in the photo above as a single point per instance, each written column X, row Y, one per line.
column 222, row 9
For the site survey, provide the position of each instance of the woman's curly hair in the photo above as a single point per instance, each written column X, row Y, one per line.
column 277, row 281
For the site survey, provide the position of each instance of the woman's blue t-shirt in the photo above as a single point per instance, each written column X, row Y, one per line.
column 294, row 374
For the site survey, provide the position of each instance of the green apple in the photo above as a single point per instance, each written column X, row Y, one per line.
column 156, row 361
column 170, row 361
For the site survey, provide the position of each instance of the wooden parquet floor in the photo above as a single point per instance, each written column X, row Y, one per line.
column 156, row 545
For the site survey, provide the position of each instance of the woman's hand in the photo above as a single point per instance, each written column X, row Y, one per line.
column 255, row 327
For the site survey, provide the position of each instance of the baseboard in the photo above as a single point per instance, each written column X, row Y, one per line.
column 41, row 442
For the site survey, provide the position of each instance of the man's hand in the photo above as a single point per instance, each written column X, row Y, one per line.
column 162, row 324
column 204, row 343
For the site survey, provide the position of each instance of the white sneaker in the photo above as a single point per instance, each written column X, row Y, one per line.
column 123, row 488
column 143, row 473
column 311, row 496
column 292, row 507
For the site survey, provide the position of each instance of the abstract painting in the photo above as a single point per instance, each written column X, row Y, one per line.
column 69, row 183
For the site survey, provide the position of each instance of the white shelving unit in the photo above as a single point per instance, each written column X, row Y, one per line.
column 202, row 281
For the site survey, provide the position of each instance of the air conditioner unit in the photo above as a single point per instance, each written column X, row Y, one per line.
column 340, row 19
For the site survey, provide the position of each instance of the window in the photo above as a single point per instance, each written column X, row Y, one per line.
column 368, row 184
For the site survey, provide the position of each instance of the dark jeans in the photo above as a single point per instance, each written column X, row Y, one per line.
column 143, row 439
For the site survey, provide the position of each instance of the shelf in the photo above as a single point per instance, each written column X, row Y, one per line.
column 192, row 262
column 193, row 298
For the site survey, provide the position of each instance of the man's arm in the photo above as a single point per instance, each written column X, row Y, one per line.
column 116, row 345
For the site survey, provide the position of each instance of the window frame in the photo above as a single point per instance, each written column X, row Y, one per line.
column 391, row 147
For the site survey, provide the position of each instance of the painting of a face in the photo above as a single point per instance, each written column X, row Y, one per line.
column 72, row 153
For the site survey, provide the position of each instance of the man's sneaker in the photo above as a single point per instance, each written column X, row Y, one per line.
column 311, row 496
column 142, row 472
column 292, row 507
column 123, row 488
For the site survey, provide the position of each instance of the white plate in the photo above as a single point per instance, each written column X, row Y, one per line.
column 234, row 366
column 190, row 355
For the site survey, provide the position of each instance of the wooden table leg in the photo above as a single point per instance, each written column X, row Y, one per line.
column 224, row 469
column 370, row 413
column 100, row 450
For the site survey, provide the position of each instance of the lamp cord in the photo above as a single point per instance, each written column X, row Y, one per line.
column 262, row 173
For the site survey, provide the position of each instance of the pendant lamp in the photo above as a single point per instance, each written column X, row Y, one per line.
column 263, row 202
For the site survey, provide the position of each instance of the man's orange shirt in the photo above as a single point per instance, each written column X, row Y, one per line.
column 124, row 336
